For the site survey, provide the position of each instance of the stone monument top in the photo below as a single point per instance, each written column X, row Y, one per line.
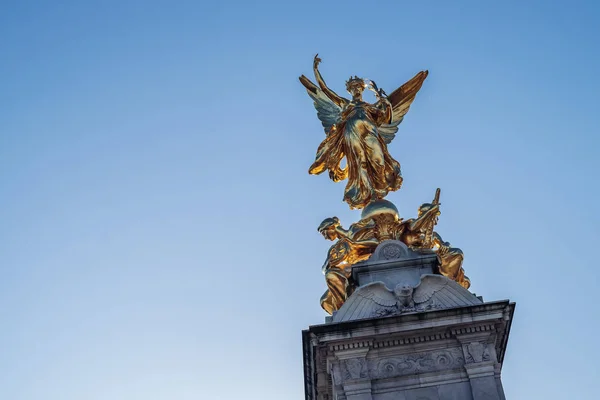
column 397, row 280
column 402, row 324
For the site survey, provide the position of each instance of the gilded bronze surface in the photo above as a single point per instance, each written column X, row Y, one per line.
column 419, row 235
column 380, row 221
column 353, row 245
column 360, row 132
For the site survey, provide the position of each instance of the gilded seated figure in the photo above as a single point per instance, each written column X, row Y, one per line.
column 353, row 245
column 380, row 221
column 419, row 234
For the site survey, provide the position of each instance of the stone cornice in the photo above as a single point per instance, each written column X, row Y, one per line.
column 434, row 339
column 374, row 266
column 477, row 314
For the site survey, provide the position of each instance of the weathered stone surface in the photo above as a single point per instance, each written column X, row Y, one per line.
column 442, row 349
column 455, row 391
column 394, row 262
column 450, row 391
column 453, row 350
column 433, row 292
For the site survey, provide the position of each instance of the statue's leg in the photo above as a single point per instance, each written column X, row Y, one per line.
column 337, row 282
column 376, row 162
column 359, row 188
column 451, row 263
column 327, row 302
column 393, row 175
column 374, row 152
column 463, row 280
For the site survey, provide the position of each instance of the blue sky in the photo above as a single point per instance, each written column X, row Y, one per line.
column 158, row 225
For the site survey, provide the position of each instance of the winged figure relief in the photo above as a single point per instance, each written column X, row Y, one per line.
column 376, row 300
column 360, row 132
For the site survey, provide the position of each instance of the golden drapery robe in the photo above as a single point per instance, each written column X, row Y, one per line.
column 370, row 169
column 360, row 132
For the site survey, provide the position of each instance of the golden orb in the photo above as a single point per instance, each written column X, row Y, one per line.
column 379, row 207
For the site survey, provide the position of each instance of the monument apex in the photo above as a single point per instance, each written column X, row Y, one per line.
column 402, row 323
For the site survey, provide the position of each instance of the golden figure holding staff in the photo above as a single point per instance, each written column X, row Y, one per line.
column 360, row 132
column 419, row 233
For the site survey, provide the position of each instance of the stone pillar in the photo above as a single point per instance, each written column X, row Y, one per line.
column 351, row 374
column 481, row 364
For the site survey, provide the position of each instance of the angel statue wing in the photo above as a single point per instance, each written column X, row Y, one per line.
column 401, row 99
column 327, row 111
column 368, row 301
column 441, row 292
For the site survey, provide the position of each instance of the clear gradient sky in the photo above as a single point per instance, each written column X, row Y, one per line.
column 158, row 226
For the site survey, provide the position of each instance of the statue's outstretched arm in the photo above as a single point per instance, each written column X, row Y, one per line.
column 420, row 222
column 342, row 232
column 338, row 100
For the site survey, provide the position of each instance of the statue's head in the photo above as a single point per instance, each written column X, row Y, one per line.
column 327, row 228
column 355, row 86
column 403, row 290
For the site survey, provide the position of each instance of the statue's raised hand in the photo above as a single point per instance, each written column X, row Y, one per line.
column 380, row 92
column 316, row 61
column 373, row 86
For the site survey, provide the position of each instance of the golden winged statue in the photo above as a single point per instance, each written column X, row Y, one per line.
column 360, row 132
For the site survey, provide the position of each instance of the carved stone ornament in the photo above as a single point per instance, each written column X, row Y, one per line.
column 418, row 363
column 390, row 250
column 355, row 368
column 477, row 352
column 376, row 300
